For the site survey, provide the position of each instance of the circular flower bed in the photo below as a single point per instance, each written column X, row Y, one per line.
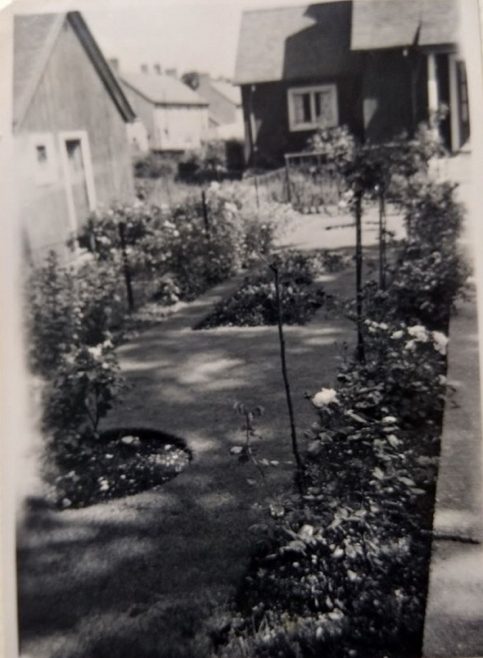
column 118, row 463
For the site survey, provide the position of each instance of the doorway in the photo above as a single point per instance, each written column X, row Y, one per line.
column 78, row 176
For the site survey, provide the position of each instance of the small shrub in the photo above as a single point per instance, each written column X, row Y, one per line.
column 82, row 389
column 155, row 165
column 255, row 303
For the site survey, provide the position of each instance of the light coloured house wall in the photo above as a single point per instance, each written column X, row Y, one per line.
column 180, row 128
column 71, row 102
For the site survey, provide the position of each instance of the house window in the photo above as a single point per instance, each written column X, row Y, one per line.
column 44, row 159
column 312, row 107
column 42, row 155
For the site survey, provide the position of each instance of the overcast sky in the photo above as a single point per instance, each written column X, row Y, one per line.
column 186, row 34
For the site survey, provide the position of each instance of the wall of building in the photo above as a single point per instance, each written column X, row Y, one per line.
column 394, row 91
column 180, row 128
column 268, row 104
column 70, row 97
column 144, row 110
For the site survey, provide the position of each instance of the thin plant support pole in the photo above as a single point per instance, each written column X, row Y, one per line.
column 283, row 360
column 126, row 268
column 206, row 219
column 257, row 197
column 287, row 180
column 382, row 240
column 358, row 218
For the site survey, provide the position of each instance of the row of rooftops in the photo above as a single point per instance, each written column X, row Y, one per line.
column 318, row 39
column 274, row 44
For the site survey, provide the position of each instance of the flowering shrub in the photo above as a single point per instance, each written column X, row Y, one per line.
column 67, row 308
column 335, row 145
column 82, row 389
column 255, row 302
column 196, row 247
column 346, row 570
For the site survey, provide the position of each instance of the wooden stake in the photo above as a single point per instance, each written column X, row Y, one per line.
column 126, row 268
column 358, row 217
column 286, row 382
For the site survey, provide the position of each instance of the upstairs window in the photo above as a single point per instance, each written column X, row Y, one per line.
column 312, row 107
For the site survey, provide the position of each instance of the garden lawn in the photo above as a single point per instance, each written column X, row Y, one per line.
column 142, row 575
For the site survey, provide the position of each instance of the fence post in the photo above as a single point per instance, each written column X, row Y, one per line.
column 126, row 268
column 287, row 179
column 358, row 218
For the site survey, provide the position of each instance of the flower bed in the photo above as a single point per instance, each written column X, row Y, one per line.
column 117, row 463
column 345, row 564
column 254, row 303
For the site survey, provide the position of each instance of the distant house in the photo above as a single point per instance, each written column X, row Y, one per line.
column 378, row 66
column 175, row 117
column 225, row 106
column 70, row 116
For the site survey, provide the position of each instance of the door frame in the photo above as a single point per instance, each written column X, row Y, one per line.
column 83, row 138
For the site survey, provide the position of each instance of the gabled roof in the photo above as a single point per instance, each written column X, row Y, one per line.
column 392, row 23
column 162, row 89
column 228, row 90
column 35, row 36
column 295, row 42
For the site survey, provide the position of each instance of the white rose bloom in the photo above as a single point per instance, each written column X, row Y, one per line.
column 95, row 352
column 419, row 333
column 324, row 397
column 440, row 341
column 397, row 334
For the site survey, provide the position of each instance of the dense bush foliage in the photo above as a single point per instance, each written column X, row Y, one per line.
column 197, row 245
column 214, row 161
column 69, row 314
column 155, row 165
column 255, row 302
column 346, row 570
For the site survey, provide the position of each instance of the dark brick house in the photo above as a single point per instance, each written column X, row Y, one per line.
column 380, row 67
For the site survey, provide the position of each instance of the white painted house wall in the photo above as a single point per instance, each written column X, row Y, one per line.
column 180, row 128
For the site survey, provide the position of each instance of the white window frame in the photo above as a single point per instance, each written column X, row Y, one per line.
column 312, row 89
column 83, row 137
column 48, row 174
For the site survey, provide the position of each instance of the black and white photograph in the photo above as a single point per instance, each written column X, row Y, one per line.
column 240, row 357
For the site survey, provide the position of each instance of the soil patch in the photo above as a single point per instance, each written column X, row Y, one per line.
column 118, row 463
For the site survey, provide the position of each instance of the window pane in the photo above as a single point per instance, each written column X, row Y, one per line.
column 301, row 104
column 324, row 107
column 41, row 154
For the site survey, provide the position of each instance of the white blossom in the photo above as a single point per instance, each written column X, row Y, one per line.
column 419, row 333
column 324, row 397
column 440, row 342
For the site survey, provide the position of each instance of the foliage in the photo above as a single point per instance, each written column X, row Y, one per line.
column 195, row 247
column 335, row 145
column 53, row 320
column 68, row 308
column 82, row 389
column 155, row 165
column 248, row 452
column 255, row 303
column 346, row 572
column 207, row 163
column 69, row 314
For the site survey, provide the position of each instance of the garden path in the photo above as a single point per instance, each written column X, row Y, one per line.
column 137, row 577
